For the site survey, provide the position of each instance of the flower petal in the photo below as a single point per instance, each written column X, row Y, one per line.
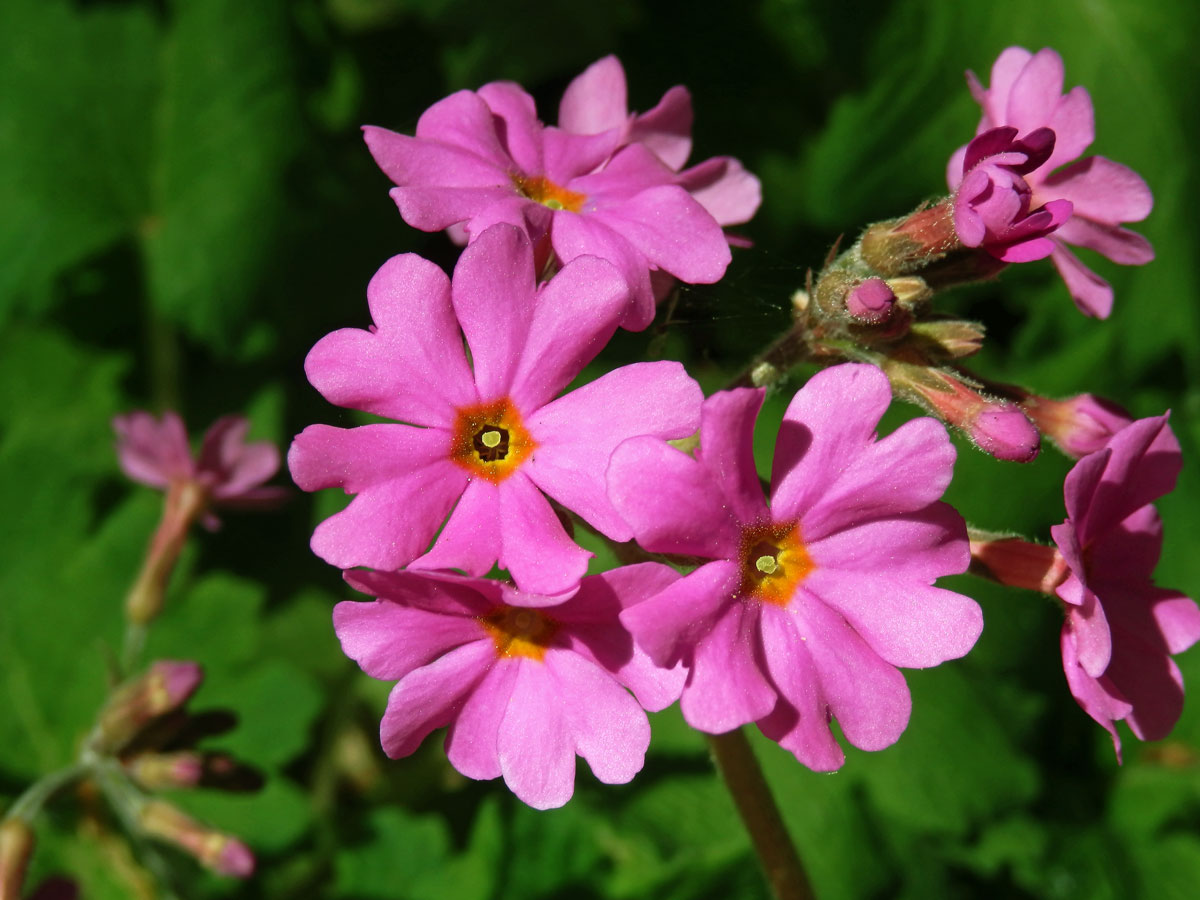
column 1073, row 124
column 412, row 366
column 534, row 547
column 867, row 695
column 574, row 235
column 519, row 128
column 493, row 294
column 905, row 622
column 574, row 316
column 1091, row 293
column 727, row 686
column 537, row 753
column 1101, row 190
column 1118, row 244
column 669, row 624
column 922, row 546
column 667, row 128
column 605, row 723
column 388, row 639
column 430, row 697
column 727, row 450
column 470, row 539
column 472, row 742
column 1035, row 92
column 1098, row 697
column 596, row 99
column 723, row 187
column 800, row 720
column 577, row 434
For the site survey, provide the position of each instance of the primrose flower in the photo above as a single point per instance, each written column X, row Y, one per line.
column 1121, row 630
column 1026, row 94
column 485, row 439
column 228, row 473
column 482, row 157
column 524, row 682
column 597, row 101
column 811, row 602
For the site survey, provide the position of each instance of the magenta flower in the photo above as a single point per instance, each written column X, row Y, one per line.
column 1078, row 425
column 810, row 602
column 1121, row 630
column 229, row 472
column 597, row 101
column 485, row 439
column 1026, row 93
column 991, row 205
column 523, row 682
column 479, row 158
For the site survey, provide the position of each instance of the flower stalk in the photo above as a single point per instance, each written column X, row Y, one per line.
column 743, row 776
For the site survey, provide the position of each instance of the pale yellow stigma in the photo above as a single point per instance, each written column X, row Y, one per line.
column 766, row 564
column 490, row 439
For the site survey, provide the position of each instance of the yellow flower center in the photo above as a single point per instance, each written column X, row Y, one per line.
column 541, row 189
column 489, row 440
column 518, row 631
column 774, row 562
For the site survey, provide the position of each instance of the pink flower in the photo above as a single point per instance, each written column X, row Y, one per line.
column 810, row 602
column 1078, row 425
column 597, row 101
column 1026, row 93
column 229, row 472
column 483, row 157
column 991, row 205
column 1121, row 630
column 523, row 682
column 485, row 438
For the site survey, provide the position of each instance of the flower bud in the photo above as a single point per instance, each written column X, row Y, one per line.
column 997, row 427
column 871, row 301
column 155, row 771
column 951, row 338
column 1019, row 563
column 1079, row 425
column 167, row 685
column 1002, row 430
column 221, row 853
column 905, row 246
column 16, row 847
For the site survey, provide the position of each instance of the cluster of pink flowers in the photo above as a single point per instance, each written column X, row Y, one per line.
column 801, row 607
column 1013, row 199
column 565, row 229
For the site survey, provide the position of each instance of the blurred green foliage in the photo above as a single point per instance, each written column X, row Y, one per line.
column 188, row 207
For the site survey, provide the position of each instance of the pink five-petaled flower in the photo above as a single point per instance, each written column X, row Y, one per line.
column 1121, row 629
column 813, row 601
column 488, row 435
column 228, row 473
column 1026, row 93
column 597, row 101
column 523, row 682
column 483, row 157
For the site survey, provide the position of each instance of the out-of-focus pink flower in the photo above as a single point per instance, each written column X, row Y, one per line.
column 524, row 682
column 1078, row 425
column 991, row 205
column 1121, row 630
column 479, row 158
column 597, row 101
column 228, row 472
column 1026, row 92
column 487, row 438
column 810, row 602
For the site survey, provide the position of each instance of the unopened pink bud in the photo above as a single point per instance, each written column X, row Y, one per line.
column 1079, row 425
column 166, row 686
column 155, row 771
column 1002, row 430
column 871, row 302
column 222, row 853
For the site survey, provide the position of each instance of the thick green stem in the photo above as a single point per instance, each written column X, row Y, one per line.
column 739, row 768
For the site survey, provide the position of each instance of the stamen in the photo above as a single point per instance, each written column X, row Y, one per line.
column 490, row 438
